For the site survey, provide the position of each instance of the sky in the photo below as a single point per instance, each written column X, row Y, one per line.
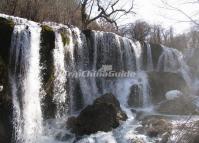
column 154, row 12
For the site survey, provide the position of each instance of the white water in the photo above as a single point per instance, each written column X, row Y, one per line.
column 59, row 77
column 171, row 60
column 149, row 58
column 25, row 83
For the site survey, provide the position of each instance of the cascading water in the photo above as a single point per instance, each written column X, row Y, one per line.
column 171, row 60
column 149, row 58
column 25, row 83
column 83, row 52
column 59, row 76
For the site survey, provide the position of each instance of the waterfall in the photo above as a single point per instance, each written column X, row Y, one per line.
column 171, row 60
column 59, row 76
column 149, row 58
column 25, row 82
column 145, row 88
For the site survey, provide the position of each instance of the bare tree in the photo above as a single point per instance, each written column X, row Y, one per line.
column 156, row 34
column 108, row 10
column 139, row 30
column 191, row 18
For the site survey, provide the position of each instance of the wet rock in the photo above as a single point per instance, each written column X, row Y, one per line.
column 134, row 99
column 165, row 137
column 137, row 140
column 140, row 130
column 161, row 82
column 64, row 137
column 179, row 106
column 47, row 71
column 154, row 126
column 6, row 29
column 156, row 51
column 103, row 115
column 1, row 88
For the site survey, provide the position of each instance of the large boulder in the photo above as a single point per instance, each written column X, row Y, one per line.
column 103, row 115
column 162, row 82
column 179, row 106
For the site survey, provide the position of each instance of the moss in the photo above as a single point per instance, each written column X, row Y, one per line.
column 47, row 46
column 65, row 38
column 47, row 28
column 6, row 29
column 7, row 22
column 47, row 71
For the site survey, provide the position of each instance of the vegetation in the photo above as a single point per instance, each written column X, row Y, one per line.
column 157, row 34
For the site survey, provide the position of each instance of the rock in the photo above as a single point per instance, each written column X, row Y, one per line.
column 103, row 115
column 64, row 137
column 155, row 126
column 165, row 137
column 140, row 130
column 134, row 99
column 156, row 51
column 161, row 82
column 47, row 71
column 137, row 140
column 179, row 106
column 71, row 122
column 172, row 94
column 6, row 29
column 1, row 88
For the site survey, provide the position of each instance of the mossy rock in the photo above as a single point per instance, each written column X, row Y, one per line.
column 47, row 28
column 144, row 55
column 179, row 106
column 47, row 46
column 47, row 71
column 104, row 114
column 156, row 51
column 65, row 38
column 6, row 29
column 161, row 82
